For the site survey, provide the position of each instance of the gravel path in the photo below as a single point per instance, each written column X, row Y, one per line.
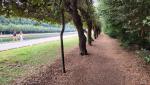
column 107, row 64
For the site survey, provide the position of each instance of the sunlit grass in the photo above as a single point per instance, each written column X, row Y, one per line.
column 13, row 63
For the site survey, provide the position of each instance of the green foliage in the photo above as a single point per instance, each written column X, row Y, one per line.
column 127, row 20
column 25, row 28
column 145, row 54
column 8, row 25
column 46, row 10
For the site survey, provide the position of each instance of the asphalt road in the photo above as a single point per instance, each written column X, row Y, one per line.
column 52, row 37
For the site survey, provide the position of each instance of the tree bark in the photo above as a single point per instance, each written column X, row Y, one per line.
column 61, row 41
column 73, row 11
column 89, row 24
column 88, row 20
column 82, row 38
column 95, row 32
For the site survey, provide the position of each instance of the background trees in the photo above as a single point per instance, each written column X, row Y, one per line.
column 8, row 25
column 50, row 10
column 127, row 20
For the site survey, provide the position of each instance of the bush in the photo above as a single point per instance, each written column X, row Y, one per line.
column 128, row 22
column 145, row 54
column 8, row 25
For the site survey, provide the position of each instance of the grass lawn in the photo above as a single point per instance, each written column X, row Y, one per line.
column 16, row 62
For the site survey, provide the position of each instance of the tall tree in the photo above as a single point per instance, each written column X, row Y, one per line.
column 72, row 8
column 88, row 19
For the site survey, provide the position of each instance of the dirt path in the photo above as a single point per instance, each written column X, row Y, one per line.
column 107, row 64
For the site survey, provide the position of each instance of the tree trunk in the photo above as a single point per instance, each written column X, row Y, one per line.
column 71, row 7
column 82, row 42
column 61, row 41
column 82, row 39
column 94, row 30
column 88, row 20
column 89, row 24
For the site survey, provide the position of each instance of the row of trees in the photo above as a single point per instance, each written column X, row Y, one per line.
column 127, row 20
column 8, row 25
column 16, row 20
column 10, row 28
column 78, row 11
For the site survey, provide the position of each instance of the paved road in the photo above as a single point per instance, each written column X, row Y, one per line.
column 13, row 45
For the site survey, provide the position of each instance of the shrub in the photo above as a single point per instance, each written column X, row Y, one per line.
column 128, row 21
column 8, row 25
column 145, row 54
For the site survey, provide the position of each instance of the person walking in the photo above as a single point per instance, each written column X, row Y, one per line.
column 21, row 36
column 14, row 36
column 1, row 35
